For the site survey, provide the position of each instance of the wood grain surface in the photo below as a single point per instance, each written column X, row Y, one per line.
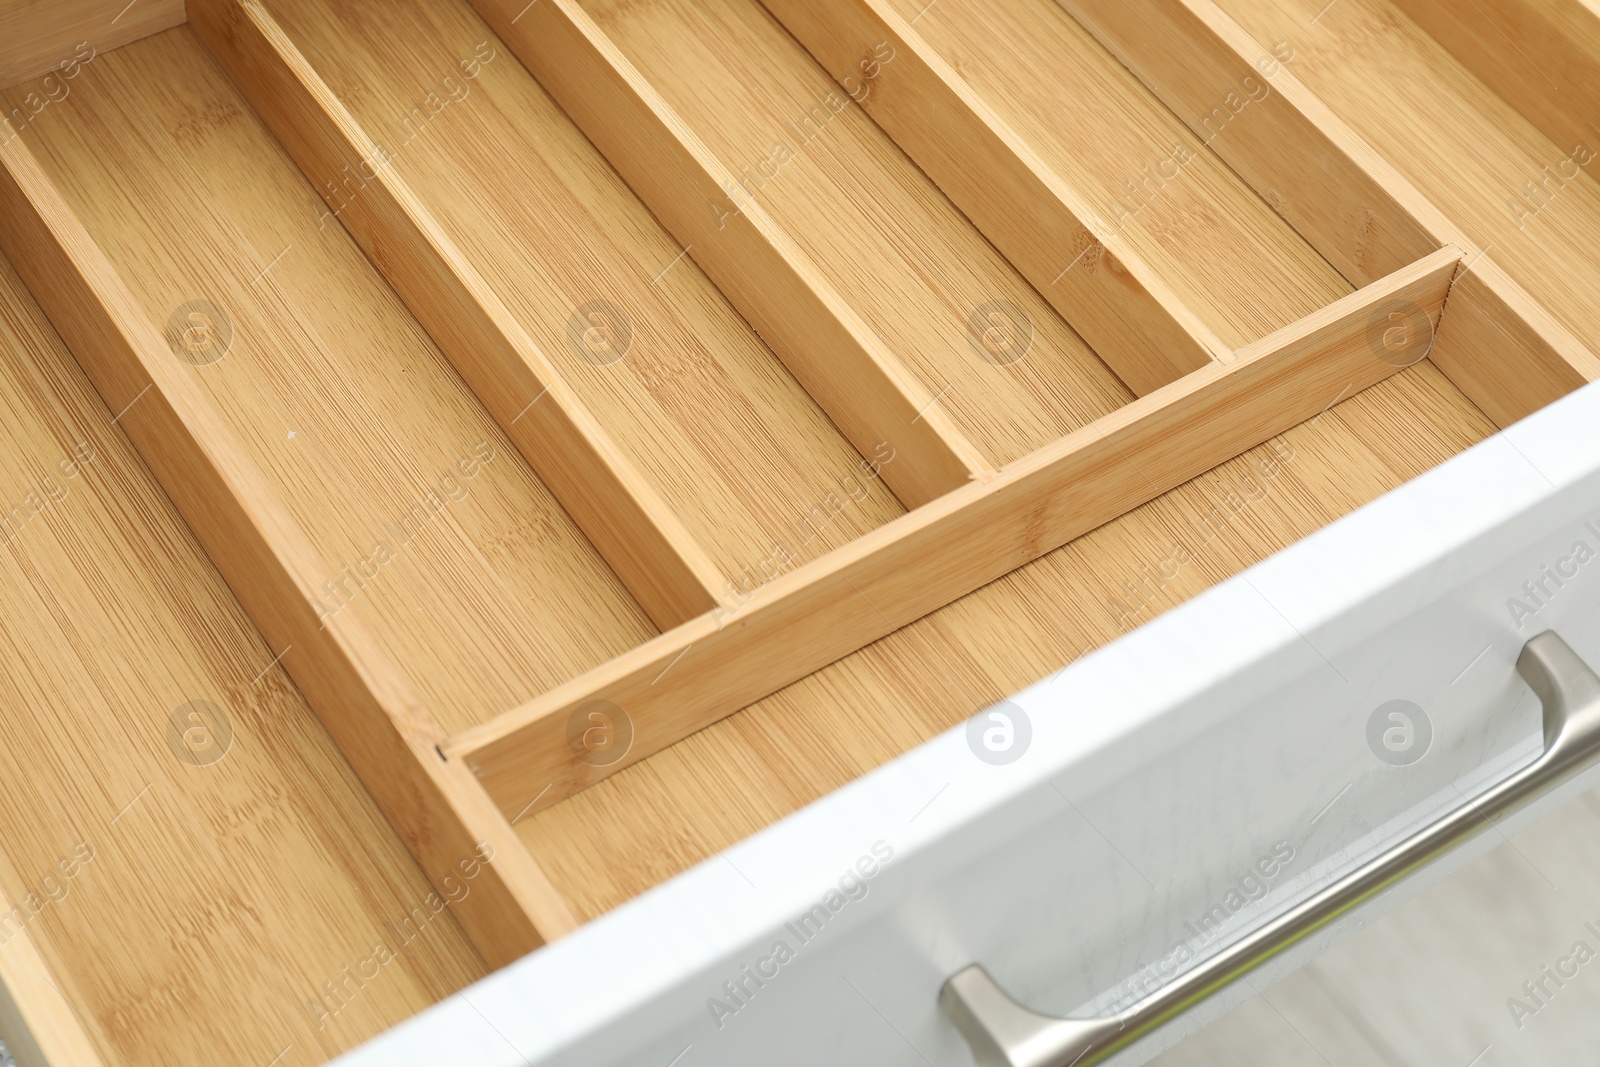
column 335, row 392
column 883, row 234
column 1469, row 152
column 39, row 36
column 863, row 386
column 681, row 806
column 1540, row 56
column 1241, row 96
column 1039, row 221
column 198, row 866
column 621, row 514
column 358, row 693
column 1505, row 349
column 1224, row 250
column 741, row 423
column 698, row 673
column 698, row 403
column 1349, row 202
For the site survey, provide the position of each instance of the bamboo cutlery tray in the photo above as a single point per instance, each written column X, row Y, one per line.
column 467, row 462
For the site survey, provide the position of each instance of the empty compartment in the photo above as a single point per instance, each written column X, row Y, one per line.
column 911, row 262
column 1530, row 201
column 922, row 278
column 199, row 868
column 432, row 526
column 670, row 370
column 1147, row 175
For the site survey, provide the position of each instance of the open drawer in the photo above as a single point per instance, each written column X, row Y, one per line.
column 1098, row 838
column 475, row 461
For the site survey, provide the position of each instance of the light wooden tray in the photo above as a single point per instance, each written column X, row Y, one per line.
column 467, row 462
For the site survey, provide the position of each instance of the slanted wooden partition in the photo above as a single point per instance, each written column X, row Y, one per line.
column 638, row 534
column 690, row 677
column 838, row 359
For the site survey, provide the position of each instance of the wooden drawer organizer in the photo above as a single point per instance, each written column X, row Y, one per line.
column 548, row 382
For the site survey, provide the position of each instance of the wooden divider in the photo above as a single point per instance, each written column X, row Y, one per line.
column 1347, row 201
column 1541, row 56
column 37, row 38
column 444, row 816
column 709, row 668
column 836, row 357
column 647, row 545
column 1049, row 232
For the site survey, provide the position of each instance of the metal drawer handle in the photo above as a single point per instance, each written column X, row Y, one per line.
column 1003, row 1033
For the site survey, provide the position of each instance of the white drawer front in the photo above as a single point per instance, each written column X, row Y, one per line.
column 1177, row 788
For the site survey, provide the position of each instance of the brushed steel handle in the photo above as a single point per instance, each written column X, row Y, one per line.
column 1003, row 1033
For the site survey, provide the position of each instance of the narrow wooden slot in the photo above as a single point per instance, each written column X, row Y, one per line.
column 707, row 669
column 1243, row 100
column 1009, row 371
column 430, row 524
column 160, row 776
column 389, row 739
column 39, row 38
column 1206, row 233
column 700, row 407
column 639, row 536
column 1350, row 203
column 1040, row 222
column 1540, row 56
column 870, row 396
